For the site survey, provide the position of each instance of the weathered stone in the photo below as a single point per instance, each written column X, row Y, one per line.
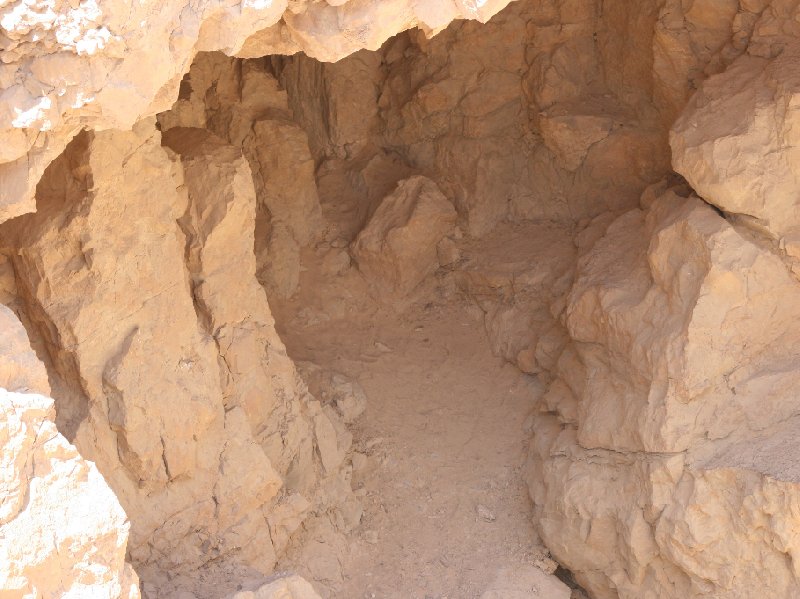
column 653, row 438
column 62, row 530
column 747, row 164
column 397, row 248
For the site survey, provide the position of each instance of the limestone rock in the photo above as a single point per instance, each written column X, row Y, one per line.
column 724, row 304
column 653, row 438
column 107, row 65
column 62, row 530
column 397, row 248
column 243, row 104
column 189, row 385
column 747, row 164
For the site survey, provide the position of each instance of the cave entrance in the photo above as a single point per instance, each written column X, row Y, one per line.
column 417, row 214
column 411, row 214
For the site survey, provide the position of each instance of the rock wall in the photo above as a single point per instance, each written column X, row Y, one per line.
column 137, row 277
column 643, row 469
column 527, row 116
column 662, row 461
column 662, row 454
column 67, row 66
column 62, row 530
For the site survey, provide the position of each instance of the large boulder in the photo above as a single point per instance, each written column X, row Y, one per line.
column 397, row 248
column 662, row 457
column 738, row 141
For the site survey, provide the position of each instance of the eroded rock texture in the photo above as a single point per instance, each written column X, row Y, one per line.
column 68, row 65
column 163, row 351
column 690, row 384
column 506, row 159
column 673, row 399
column 62, row 530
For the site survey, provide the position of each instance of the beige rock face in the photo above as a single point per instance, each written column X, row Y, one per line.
column 62, row 530
column 681, row 330
column 246, row 107
column 662, row 461
column 746, row 165
column 163, row 346
column 66, row 66
column 532, row 115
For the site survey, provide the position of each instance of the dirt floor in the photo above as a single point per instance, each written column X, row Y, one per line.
column 445, row 508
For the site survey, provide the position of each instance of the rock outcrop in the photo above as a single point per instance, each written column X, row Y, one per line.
column 142, row 252
column 67, row 66
column 746, row 165
column 162, row 349
column 63, row 532
column 643, row 467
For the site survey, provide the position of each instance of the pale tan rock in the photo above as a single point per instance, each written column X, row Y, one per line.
column 397, row 248
column 107, row 65
column 188, row 390
column 724, row 305
column 652, row 443
column 746, row 164
column 62, row 530
column 243, row 104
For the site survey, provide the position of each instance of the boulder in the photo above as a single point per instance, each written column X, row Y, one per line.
column 397, row 248
column 738, row 141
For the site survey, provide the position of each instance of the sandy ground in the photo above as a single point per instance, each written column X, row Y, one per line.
column 445, row 508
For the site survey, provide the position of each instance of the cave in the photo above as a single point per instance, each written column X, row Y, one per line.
column 355, row 299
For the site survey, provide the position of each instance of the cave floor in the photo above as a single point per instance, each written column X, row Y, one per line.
column 446, row 510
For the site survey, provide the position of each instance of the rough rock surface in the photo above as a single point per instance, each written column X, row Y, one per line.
column 397, row 248
column 663, row 454
column 746, row 165
column 188, row 387
column 681, row 328
column 70, row 65
column 244, row 104
column 62, row 530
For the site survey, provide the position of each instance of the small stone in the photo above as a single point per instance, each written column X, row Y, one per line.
column 485, row 513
